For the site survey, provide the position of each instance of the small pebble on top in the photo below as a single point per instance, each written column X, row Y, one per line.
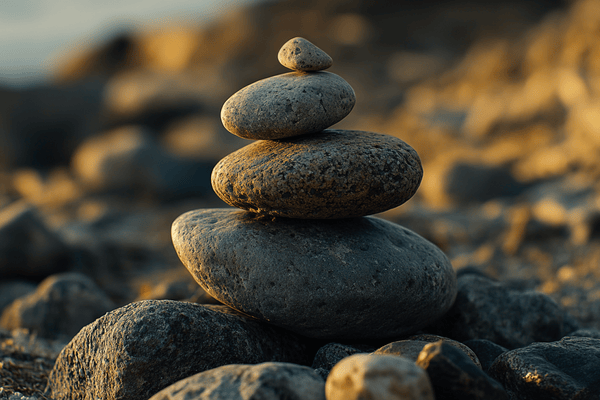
column 299, row 54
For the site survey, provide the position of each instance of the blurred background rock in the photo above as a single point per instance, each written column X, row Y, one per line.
column 117, row 136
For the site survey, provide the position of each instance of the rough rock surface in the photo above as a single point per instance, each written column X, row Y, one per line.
column 411, row 347
column 137, row 350
column 454, row 376
column 301, row 55
column 287, row 272
column 566, row 369
column 485, row 309
column 266, row 381
column 370, row 376
column 61, row 305
column 288, row 105
column 332, row 174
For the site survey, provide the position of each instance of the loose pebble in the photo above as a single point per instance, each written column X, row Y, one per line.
column 266, row 381
column 370, row 376
column 299, row 54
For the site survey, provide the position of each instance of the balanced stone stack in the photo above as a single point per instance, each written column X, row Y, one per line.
column 303, row 253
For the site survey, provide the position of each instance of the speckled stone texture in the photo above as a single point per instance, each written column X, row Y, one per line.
column 566, row 369
column 266, row 381
column 301, row 55
column 137, row 350
column 332, row 174
column 288, row 105
column 361, row 278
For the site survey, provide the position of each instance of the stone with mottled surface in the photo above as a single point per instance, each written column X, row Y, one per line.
column 375, row 376
column 332, row 174
column 565, row 369
column 299, row 54
column 266, row 381
column 288, row 105
column 361, row 278
column 137, row 350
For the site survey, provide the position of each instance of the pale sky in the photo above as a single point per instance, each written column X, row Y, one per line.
column 32, row 31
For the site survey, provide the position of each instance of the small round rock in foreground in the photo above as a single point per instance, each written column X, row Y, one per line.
column 331, row 174
column 350, row 279
column 301, row 55
column 288, row 105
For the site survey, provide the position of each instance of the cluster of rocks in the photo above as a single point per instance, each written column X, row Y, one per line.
column 347, row 294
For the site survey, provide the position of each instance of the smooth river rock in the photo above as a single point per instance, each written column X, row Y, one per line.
column 299, row 54
column 351, row 279
column 288, row 105
column 332, row 174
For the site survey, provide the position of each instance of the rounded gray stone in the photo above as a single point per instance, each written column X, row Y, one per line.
column 299, row 54
column 332, row 174
column 288, row 105
column 265, row 381
column 350, row 279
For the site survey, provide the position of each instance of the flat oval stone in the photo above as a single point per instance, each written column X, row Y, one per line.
column 301, row 55
column 288, row 105
column 351, row 279
column 332, row 174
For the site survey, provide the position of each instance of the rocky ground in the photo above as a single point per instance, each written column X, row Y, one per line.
column 502, row 103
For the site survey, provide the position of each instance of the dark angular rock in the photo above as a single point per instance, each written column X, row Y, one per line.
column 486, row 351
column 28, row 249
column 485, row 309
column 330, row 354
column 61, row 305
column 454, row 376
column 137, row 350
column 566, row 369
column 266, row 381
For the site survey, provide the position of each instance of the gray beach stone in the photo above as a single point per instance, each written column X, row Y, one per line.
column 135, row 351
column 332, row 174
column 455, row 376
column 381, row 377
column 61, row 305
column 566, row 369
column 266, row 381
column 353, row 279
column 301, row 55
column 288, row 105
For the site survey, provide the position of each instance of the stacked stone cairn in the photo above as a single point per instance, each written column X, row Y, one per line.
column 303, row 253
